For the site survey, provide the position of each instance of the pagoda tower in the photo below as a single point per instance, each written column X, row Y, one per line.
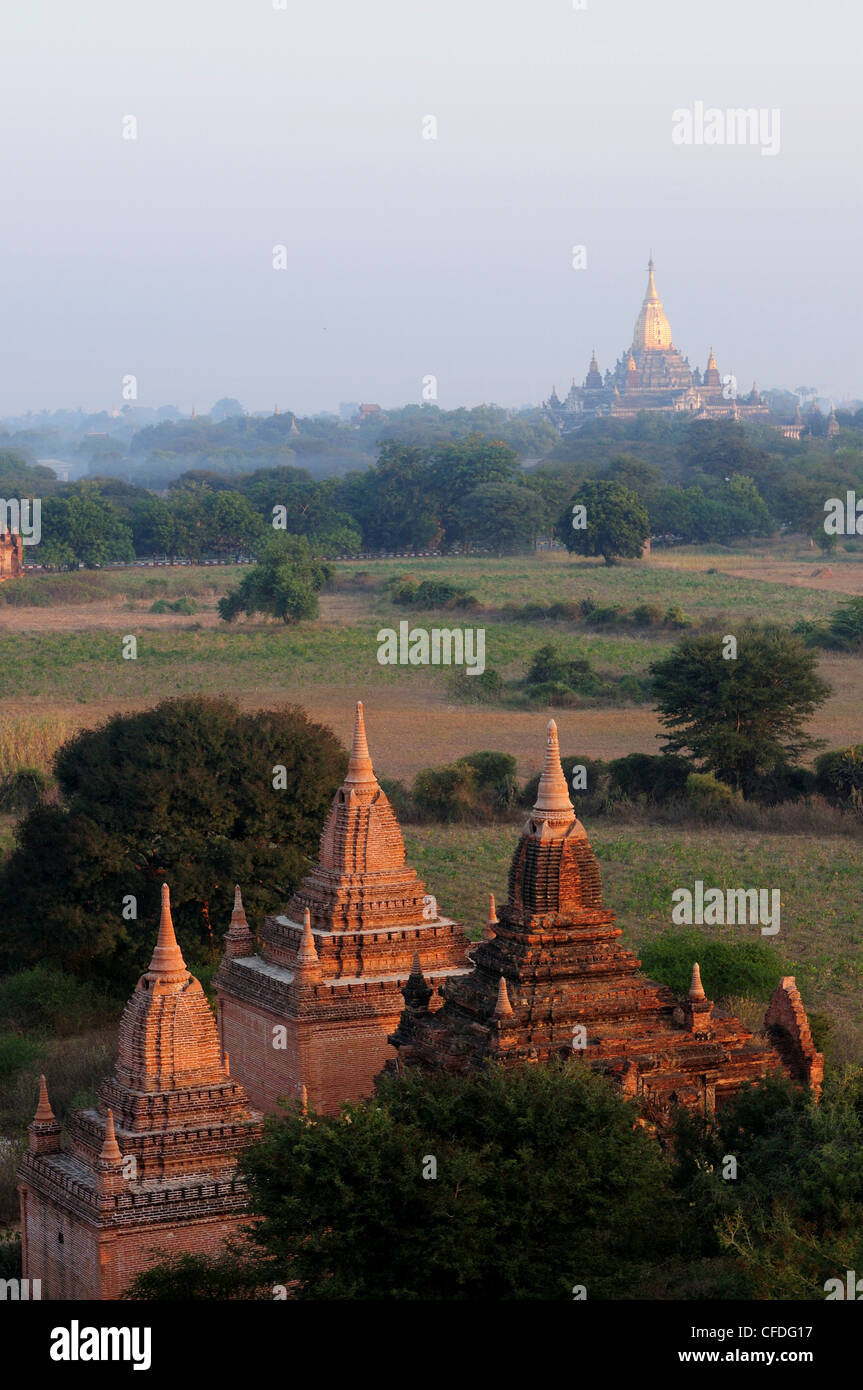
column 553, row 980
column 315, row 1007
column 712, row 380
column 152, row 1166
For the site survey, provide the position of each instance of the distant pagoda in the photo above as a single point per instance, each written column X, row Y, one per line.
column 312, row 1012
column 153, row 1164
column 652, row 375
column 552, row 980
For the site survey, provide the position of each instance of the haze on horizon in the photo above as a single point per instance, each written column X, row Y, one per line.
column 409, row 257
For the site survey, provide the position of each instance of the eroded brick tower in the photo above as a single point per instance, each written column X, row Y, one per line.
column 153, row 1164
column 552, row 980
column 311, row 1013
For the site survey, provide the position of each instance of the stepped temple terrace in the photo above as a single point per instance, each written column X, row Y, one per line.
column 312, row 1012
column 551, row 979
column 651, row 374
column 360, row 974
column 152, row 1166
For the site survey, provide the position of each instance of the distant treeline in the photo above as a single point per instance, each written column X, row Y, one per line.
column 700, row 482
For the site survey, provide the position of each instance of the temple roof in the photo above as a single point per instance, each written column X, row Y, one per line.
column 652, row 329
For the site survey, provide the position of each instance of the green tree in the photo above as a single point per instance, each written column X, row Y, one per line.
column 182, row 792
column 616, row 523
column 283, row 584
column 739, row 717
column 505, row 516
column 543, row 1182
column 82, row 529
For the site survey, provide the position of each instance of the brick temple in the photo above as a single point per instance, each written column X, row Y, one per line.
column 11, row 554
column 152, row 1165
column 309, row 1016
column 552, row 979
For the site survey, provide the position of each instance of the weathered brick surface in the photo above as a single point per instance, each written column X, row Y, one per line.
column 154, row 1162
column 558, row 952
column 332, row 966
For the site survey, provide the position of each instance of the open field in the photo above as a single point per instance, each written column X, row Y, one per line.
column 62, row 664
column 820, row 940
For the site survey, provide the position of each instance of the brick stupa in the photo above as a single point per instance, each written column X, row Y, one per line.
column 312, row 1012
column 551, row 979
column 153, row 1164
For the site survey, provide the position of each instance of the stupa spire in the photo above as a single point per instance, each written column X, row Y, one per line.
column 503, row 1008
column 167, row 959
column 307, row 954
column 652, row 329
column 696, row 989
column 110, row 1148
column 491, row 922
column 44, row 1114
column 360, row 770
column 552, row 794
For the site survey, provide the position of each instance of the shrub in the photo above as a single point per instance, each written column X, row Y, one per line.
column 44, row 999
column 675, row 616
column 609, row 616
column 782, row 783
column 16, row 1053
column 484, row 689
column 433, row 593
column 399, row 797
column 657, row 778
column 183, row 605
column 728, row 967
column 839, row 777
column 22, row 789
column 647, row 615
column 708, row 793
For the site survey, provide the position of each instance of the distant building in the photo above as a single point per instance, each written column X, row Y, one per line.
column 11, row 555
column 368, row 412
column 652, row 375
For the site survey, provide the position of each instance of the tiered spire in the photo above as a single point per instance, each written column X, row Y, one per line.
column 238, row 938
column 360, row 770
column 492, row 920
column 503, row 1008
column 167, row 963
column 110, row 1152
column 652, row 329
column 44, row 1114
column 307, row 955
column 552, row 797
column 696, row 989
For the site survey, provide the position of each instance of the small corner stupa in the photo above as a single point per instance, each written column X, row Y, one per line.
column 152, row 1166
column 314, row 1008
column 551, row 979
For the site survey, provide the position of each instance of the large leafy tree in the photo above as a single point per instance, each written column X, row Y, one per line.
column 82, row 529
column 739, row 717
column 616, row 523
column 283, row 584
column 185, row 793
column 513, row 1183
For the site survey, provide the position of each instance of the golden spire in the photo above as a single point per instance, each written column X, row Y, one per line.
column 696, row 989
column 167, row 962
column 360, row 768
column 44, row 1114
column 110, row 1148
column 552, row 793
column 652, row 329
column 503, row 1008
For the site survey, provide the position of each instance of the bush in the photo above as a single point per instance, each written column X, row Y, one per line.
column 675, row 616
column 548, row 667
column 657, row 778
column 782, row 783
column 647, row 615
column 433, row 593
column 184, row 606
column 22, row 789
column 484, row 689
column 728, row 968
column 609, row 616
column 473, row 788
column 42, row 999
column 16, row 1053
column 399, row 797
column 839, row 777
column 708, row 793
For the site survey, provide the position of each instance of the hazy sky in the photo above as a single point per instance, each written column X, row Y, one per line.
column 406, row 256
